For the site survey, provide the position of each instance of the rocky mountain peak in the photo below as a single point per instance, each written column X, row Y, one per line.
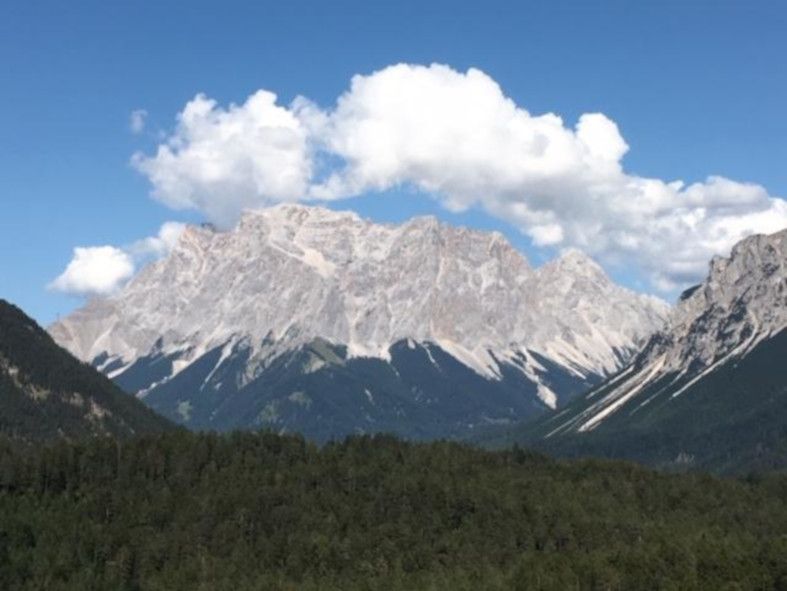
column 742, row 301
column 291, row 274
column 709, row 384
column 577, row 261
column 741, row 304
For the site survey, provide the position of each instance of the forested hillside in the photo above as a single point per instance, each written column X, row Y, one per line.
column 46, row 393
column 259, row 511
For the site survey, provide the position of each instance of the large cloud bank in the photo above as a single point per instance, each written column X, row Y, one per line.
column 456, row 136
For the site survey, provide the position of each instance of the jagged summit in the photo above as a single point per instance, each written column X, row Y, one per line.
column 291, row 274
column 738, row 312
column 298, row 213
column 742, row 301
column 354, row 282
column 573, row 258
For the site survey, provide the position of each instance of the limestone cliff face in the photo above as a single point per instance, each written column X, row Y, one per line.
column 741, row 305
column 291, row 275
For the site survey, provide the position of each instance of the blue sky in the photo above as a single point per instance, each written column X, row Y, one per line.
column 696, row 89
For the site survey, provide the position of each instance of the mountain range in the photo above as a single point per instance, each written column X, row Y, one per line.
column 308, row 320
column 311, row 320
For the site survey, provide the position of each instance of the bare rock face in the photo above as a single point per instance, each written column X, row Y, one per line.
column 742, row 302
column 741, row 306
column 290, row 276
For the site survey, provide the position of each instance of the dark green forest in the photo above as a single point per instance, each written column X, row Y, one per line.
column 46, row 393
column 260, row 511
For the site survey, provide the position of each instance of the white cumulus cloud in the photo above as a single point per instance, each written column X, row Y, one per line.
column 221, row 161
column 101, row 270
column 458, row 137
column 95, row 270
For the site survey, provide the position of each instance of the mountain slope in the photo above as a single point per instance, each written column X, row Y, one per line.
column 420, row 392
column 46, row 393
column 710, row 389
column 225, row 327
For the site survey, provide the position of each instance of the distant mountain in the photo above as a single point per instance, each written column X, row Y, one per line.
column 47, row 394
column 710, row 390
column 306, row 319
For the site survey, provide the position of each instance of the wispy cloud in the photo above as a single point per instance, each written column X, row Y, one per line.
column 137, row 120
